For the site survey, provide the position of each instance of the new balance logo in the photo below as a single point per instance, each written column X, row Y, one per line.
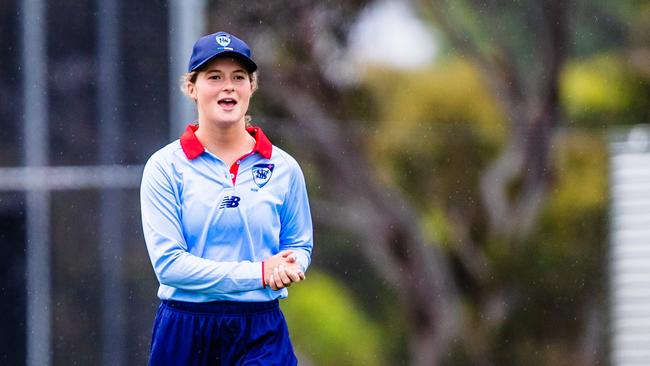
column 229, row 202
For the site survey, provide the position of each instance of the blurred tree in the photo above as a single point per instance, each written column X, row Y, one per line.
column 521, row 48
column 475, row 150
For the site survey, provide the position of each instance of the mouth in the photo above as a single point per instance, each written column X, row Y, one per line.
column 227, row 102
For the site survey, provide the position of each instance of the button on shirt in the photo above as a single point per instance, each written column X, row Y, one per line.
column 208, row 227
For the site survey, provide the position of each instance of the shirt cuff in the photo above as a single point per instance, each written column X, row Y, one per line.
column 303, row 260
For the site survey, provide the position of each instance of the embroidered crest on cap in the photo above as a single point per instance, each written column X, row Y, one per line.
column 262, row 174
column 223, row 39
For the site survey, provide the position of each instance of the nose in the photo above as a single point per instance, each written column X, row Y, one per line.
column 228, row 86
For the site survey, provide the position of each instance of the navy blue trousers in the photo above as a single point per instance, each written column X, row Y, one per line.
column 220, row 333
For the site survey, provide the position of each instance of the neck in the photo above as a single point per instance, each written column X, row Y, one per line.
column 228, row 142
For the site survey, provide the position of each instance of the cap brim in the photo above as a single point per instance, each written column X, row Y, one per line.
column 246, row 62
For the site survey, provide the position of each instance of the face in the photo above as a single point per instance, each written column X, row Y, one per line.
column 222, row 91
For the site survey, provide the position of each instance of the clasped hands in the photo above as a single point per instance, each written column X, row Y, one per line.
column 281, row 270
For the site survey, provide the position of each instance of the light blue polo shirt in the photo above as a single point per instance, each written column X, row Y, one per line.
column 208, row 226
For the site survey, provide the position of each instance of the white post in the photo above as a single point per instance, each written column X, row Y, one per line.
column 35, row 145
column 111, row 247
column 630, row 248
column 186, row 24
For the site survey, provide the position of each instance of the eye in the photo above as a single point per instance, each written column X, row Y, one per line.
column 214, row 77
column 240, row 77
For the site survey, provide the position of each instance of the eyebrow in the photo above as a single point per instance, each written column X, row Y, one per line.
column 219, row 70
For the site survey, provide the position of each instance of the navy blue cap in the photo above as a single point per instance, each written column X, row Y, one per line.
column 220, row 43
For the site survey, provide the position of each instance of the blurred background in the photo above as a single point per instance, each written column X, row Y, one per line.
column 472, row 168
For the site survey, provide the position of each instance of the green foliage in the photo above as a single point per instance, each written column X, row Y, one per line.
column 437, row 130
column 559, row 269
column 327, row 326
column 572, row 231
column 437, row 225
column 449, row 93
column 601, row 91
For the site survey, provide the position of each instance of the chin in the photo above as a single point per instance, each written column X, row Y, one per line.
column 226, row 121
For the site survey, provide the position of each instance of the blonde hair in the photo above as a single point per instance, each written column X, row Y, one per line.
column 190, row 78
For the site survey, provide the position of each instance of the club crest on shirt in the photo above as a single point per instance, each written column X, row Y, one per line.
column 262, row 174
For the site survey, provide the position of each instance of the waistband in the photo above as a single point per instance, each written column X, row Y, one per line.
column 223, row 307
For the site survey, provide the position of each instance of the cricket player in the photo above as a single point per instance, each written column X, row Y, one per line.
column 226, row 221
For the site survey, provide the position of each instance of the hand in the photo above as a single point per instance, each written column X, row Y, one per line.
column 284, row 277
column 281, row 270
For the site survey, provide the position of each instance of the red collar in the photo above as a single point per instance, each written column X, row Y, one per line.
column 192, row 146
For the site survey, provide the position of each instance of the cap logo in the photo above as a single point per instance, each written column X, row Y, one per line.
column 223, row 40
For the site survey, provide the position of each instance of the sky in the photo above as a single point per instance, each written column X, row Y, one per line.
column 390, row 34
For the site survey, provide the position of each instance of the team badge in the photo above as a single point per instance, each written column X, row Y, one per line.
column 262, row 174
column 223, row 40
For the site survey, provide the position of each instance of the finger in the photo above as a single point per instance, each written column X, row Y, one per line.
column 285, row 253
column 272, row 284
column 276, row 275
column 283, row 276
column 293, row 275
column 302, row 275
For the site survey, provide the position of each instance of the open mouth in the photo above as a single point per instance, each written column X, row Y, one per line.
column 227, row 102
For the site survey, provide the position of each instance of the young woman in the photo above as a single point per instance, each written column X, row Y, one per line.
column 226, row 221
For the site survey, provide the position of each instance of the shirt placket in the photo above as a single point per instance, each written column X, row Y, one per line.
column 234, row 168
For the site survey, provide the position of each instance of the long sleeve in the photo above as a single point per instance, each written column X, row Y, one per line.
column 296, row 232
column 173, row 264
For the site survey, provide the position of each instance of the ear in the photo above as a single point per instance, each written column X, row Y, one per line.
column 253, row 84
column 191, row 90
